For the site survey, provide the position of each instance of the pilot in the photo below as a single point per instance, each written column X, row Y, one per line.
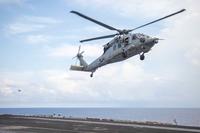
column 105, row 48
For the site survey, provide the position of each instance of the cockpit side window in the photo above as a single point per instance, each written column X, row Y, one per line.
column 134, row 37
column 114, row 47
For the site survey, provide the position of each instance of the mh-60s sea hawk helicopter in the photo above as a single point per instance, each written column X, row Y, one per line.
column 123, row 46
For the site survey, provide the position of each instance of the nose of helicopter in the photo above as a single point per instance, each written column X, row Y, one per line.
column 152, row 41
column 155, row 40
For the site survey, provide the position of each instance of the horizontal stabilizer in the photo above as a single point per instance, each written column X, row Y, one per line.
column 76, row 68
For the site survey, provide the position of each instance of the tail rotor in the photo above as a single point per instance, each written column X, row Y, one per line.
column 79, row 54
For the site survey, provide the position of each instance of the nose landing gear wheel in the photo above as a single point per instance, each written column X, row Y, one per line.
column 124, row 54
column 142, row 56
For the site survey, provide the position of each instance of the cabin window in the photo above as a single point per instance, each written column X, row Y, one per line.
column 133, row 37
column 119, row 45
column 142, row 40
column 114, row 47
column 116, row 39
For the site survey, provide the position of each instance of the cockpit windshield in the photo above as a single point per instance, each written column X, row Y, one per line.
column 139, row 35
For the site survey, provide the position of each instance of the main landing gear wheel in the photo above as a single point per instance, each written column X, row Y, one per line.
column 142, row 56
column 91, row 75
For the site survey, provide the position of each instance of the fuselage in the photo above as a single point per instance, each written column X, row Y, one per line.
column 121, row 48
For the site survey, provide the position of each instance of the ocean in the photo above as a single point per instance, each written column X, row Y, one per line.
column 183, row 116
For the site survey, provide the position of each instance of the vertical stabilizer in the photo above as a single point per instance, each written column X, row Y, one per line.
column 83, row 63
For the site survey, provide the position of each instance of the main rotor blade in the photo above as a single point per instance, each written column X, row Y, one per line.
column 101, row 37
column 158, row 20
column 95, row 21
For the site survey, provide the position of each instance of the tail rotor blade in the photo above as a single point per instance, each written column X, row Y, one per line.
column 79, row 48
column 82, row 52
column 78, row 54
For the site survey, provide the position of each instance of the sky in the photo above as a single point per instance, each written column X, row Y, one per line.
column 39, row 38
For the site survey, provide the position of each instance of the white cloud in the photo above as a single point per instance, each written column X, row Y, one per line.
column 11, row 2
column 17, row 28
column 139, row 8
column 5, row 86
column 193, row 56
column 182, row 36
column 77, row 87
column 68, row 50
column 42, row 19
column 37, row 39
column 28, row 24
column 126, row 81
column 95, row 29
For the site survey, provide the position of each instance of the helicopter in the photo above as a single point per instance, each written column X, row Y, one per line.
column 123, row 45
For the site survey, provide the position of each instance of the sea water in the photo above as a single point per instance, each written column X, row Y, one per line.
column 183, row 116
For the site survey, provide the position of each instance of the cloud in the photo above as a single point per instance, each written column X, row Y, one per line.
column 41, row 19
column 193, row 56
column 138, row 8
column 11, row 2
column 17, row 28
column 68, row 50
column 182, row 36
column 121, row 82
column 67, row 87
column 37, row 39
column 27, row 24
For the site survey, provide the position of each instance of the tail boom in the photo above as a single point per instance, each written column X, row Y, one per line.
column 77, row 68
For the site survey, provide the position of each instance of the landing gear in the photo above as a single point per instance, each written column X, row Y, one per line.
column 124, row 54
column 91, row 75
column 142, row 56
